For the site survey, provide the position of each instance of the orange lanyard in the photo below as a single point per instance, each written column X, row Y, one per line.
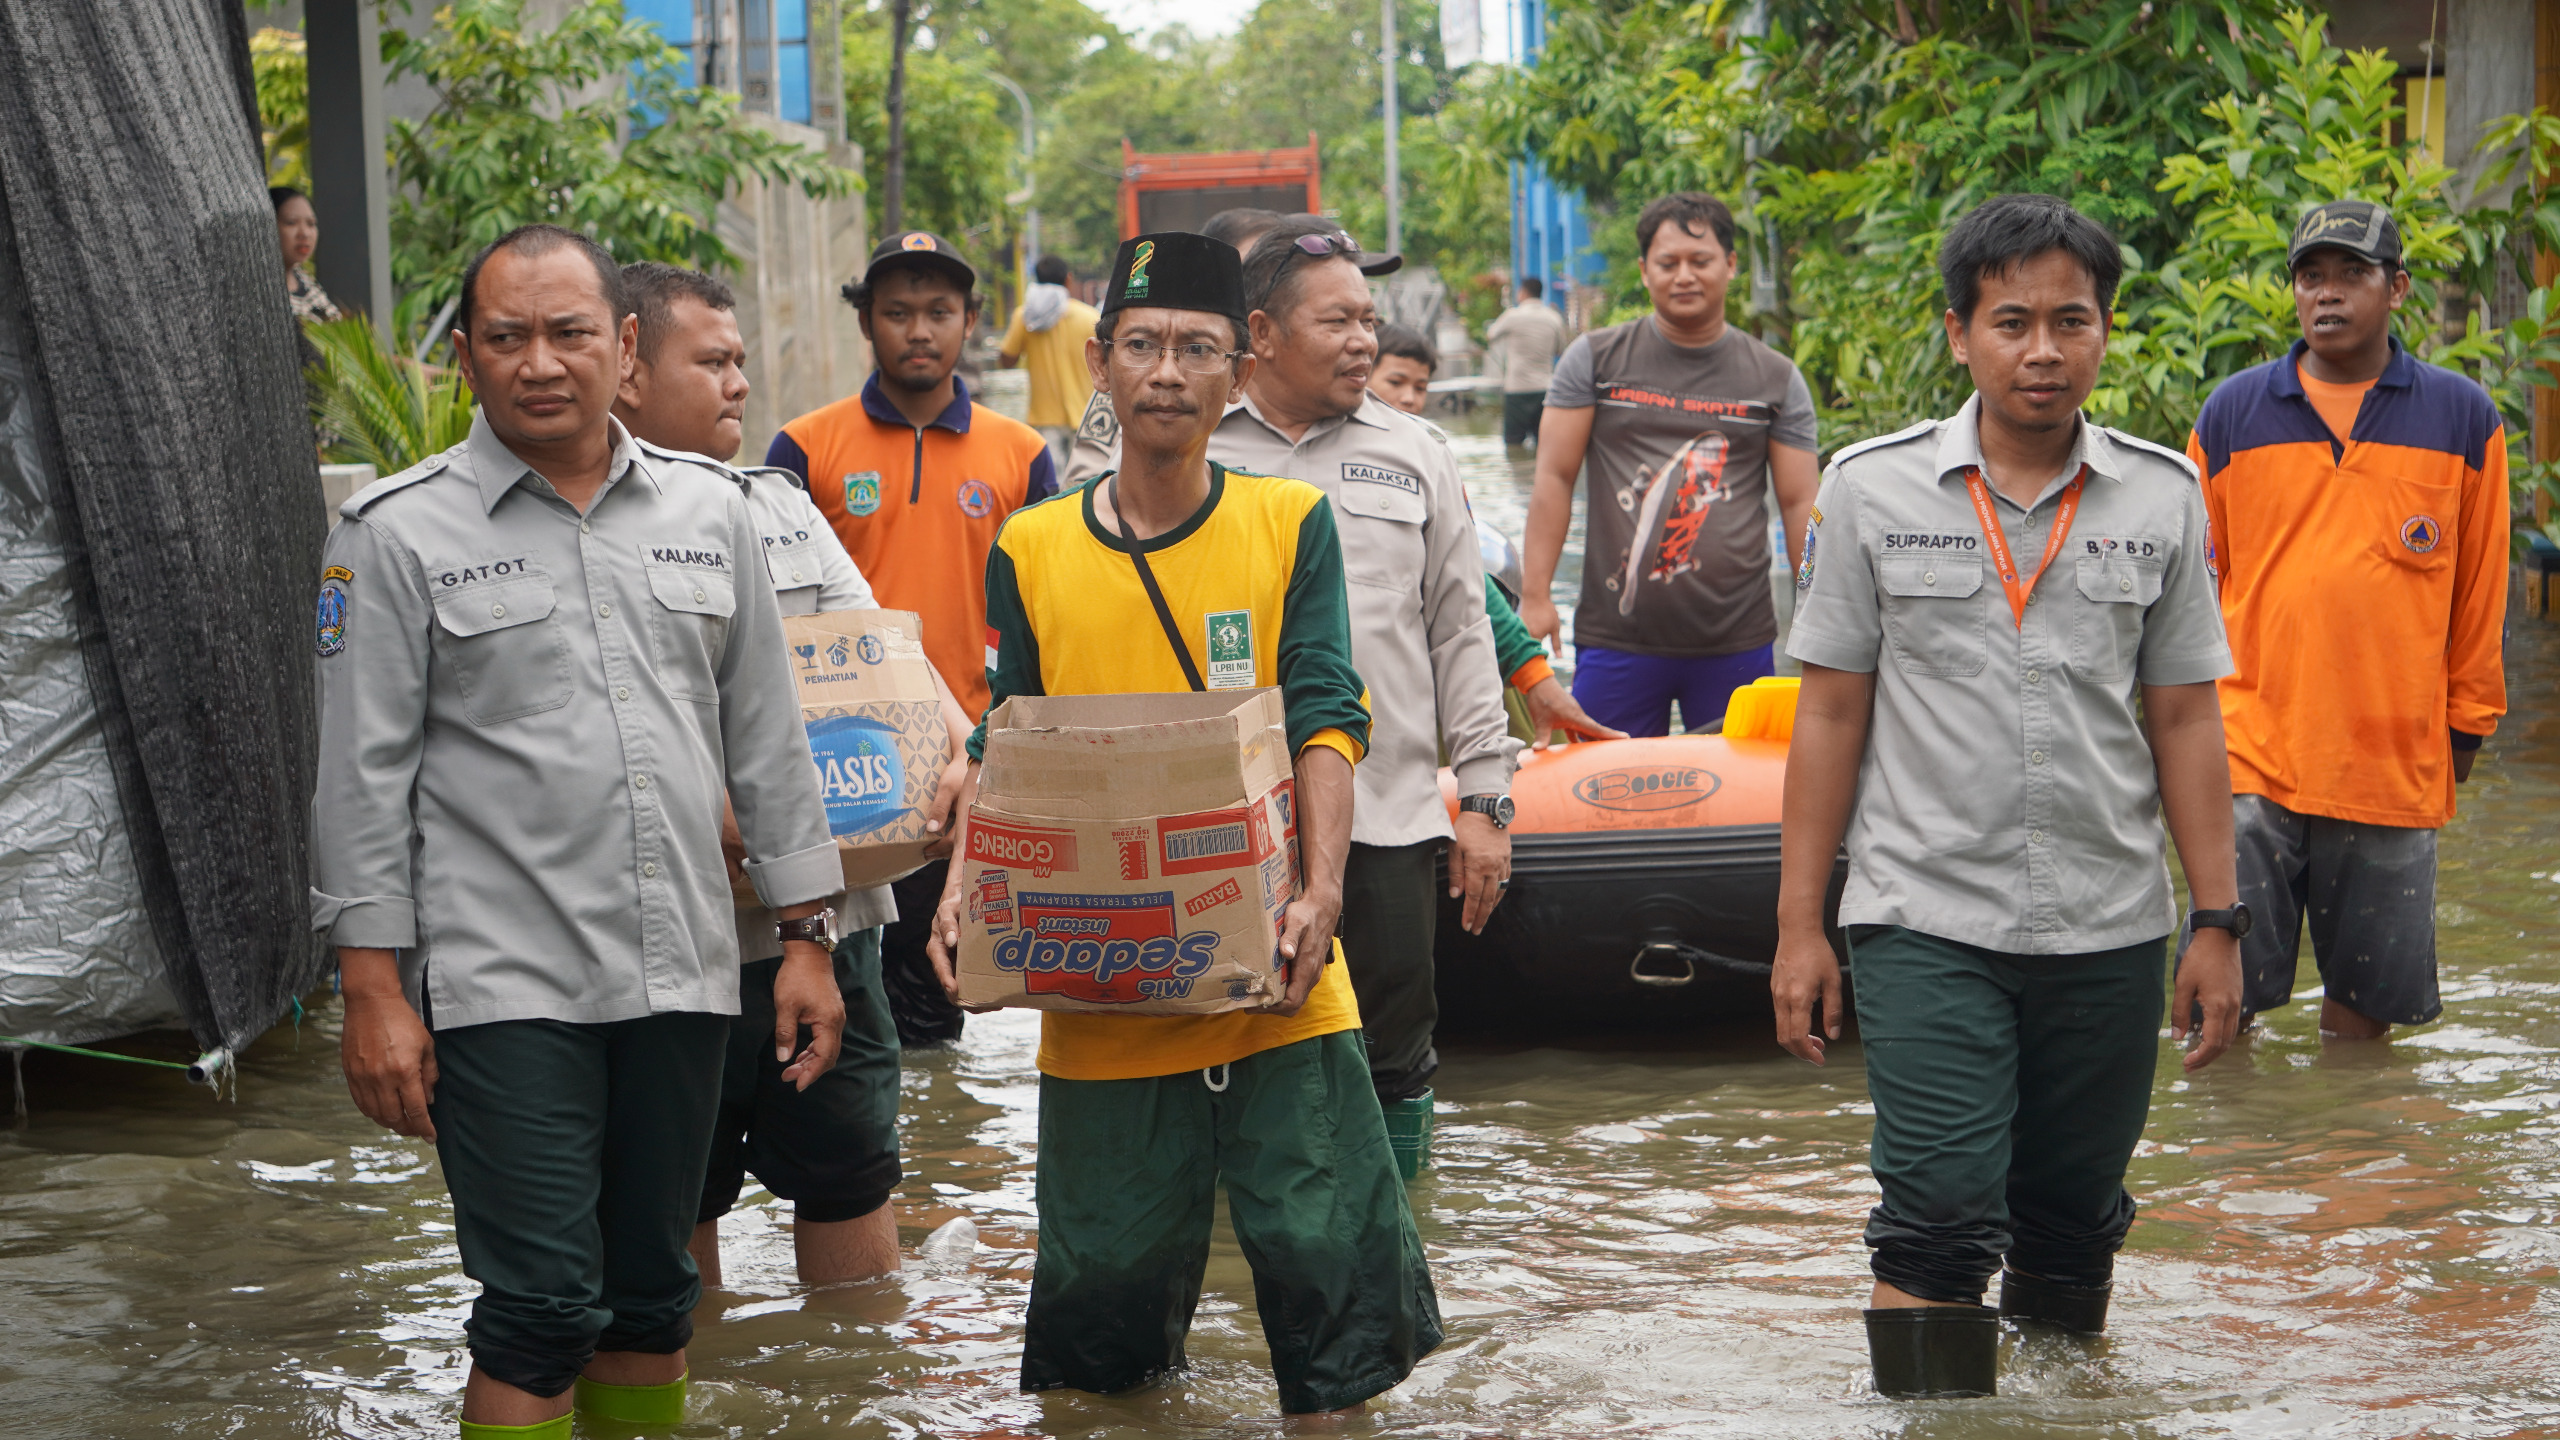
column 1999, row 543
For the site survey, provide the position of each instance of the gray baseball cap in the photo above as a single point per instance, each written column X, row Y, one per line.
column 2358, row 227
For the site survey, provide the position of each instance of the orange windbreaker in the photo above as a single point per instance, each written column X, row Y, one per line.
column 2364, row 586
column 919, row 506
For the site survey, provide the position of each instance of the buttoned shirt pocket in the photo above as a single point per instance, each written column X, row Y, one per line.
column 510, row 655
column 1381, row 531
column 689, row 627
column 2116, row 592
column 1933, row 615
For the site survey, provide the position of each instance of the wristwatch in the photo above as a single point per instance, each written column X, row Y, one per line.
column 818, row 929
column 1496, row 808
column 2236, row 920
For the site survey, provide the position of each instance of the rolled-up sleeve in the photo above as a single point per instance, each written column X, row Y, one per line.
column 773, row 784
column 1466, row 678
column 1838, row 625
column 373, row 709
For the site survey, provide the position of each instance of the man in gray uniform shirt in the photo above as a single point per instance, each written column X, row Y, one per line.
column 542, row 661
column 831, row 1149
column 1419, row 637
column 2010, row 641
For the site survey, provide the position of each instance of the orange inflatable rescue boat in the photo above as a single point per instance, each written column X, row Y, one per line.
column 1644, row 873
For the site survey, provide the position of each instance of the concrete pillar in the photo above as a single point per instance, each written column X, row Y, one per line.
column 2488, row 75
column 350, row 175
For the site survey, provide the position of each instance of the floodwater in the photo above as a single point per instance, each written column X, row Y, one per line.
column 1650, row 1236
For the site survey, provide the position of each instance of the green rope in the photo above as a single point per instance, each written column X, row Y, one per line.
column 92, row 1054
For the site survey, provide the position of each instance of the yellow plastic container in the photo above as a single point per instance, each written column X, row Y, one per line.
column 1765, row 709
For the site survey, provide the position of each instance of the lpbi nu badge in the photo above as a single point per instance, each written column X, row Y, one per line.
column 861, row 779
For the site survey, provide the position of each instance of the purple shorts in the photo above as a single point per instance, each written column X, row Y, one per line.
column 1635, row 693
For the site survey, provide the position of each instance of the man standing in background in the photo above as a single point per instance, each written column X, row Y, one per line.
column 1047, row 338
column 1688, row 424
column 2359, row 507
column 1520, row 350
column 1419, row 637
column 917, row 478
column 828, row 1145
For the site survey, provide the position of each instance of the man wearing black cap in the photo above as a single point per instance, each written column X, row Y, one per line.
column 2359, row 507
column 1175, row 573
column 917, row 479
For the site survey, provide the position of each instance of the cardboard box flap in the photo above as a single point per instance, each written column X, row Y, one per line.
column 842, row 657
column 1096, row 756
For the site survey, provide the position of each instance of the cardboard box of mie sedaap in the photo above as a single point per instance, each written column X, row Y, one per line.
column 1130, row 853
column 875, row 730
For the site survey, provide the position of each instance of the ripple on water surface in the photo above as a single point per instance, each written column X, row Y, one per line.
column 1650, row 1237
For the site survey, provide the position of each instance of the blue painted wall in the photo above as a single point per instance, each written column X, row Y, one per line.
column 1550, row 235
column 674, row 19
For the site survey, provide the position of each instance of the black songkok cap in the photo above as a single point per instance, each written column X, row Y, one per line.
column 1177, row 270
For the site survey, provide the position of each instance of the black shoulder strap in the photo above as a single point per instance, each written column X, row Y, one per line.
column 1155, row 593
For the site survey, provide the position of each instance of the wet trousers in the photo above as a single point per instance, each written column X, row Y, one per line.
column 1389, row 914
column 1128, row 1177
column 2010, row 1091
column 575, row 1156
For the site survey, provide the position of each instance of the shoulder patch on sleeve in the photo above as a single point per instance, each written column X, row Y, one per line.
column 1878, row 442
column 2178, row 458
column 371, row 495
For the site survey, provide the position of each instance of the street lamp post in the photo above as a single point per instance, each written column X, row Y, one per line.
column 1395, row 178
column 1030, row 181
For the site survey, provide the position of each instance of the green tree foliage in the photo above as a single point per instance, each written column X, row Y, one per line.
column 376, row 408
column 587, row 124
column 2199, row 132
column 283, row 81
column 963, row 142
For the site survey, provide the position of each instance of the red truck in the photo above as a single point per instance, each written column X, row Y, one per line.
column 1180, row 192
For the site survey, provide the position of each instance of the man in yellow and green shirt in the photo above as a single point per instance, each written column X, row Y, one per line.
column 1142, row 1117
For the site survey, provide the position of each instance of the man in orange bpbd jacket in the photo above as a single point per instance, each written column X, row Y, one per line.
column 2358, row 498
column 917, row 478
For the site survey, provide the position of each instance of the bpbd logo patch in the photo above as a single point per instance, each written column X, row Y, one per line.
column 1107, row 949
column 977, row 497
column 860, row 776
column 2421, row 533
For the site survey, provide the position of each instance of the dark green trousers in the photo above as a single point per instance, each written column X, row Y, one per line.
column 1389, row 914
column 575, row 1155
column 2010, row 1091
column 832, row 1149
column 1128, row 1177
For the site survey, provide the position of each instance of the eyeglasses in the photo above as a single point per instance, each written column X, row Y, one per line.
column 1142, row 355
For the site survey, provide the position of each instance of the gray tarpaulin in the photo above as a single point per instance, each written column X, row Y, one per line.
column 160, row 535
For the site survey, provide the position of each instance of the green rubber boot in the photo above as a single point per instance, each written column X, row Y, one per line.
column 1409, row 1131
column 555, row 1428
column 656, row 1405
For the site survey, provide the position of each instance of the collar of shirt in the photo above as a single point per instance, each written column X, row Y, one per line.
column 499, row 469
column 2285, row 380
column 954, row 416
column 1960, row 449
column 1319, row 429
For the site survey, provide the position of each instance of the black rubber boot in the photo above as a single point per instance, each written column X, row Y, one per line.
column 2080, row 1309
column 1935, row 1350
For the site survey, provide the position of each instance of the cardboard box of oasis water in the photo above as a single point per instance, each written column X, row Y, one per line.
column 1132, row 854
column 875, row 729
